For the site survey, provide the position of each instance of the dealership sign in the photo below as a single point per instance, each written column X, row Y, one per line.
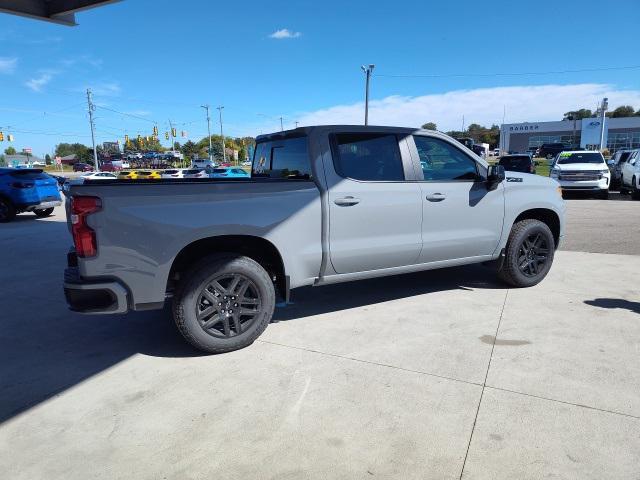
column 523, row 128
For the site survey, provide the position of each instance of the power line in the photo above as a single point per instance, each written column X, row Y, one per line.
column 127, row 114
column 508, row 74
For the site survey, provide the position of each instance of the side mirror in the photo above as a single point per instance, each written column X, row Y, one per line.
column 495, row 176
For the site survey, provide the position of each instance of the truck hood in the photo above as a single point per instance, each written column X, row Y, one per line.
column 581, row 166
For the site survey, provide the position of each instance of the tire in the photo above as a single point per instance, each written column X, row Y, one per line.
column 7, row 211
column 635, row 193
column 44, row 212
column 623, row 189
column 604, row 195
column 223, row 327
column 534, row 271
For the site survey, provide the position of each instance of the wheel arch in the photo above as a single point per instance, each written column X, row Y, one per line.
column 257, row 248
column 546, row 216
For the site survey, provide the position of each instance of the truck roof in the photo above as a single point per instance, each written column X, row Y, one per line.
column 296, row 132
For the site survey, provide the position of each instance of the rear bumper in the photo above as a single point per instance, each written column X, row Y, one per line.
column 41, row 205
column 93, row 297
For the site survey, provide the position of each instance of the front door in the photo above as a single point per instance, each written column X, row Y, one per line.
column 375, row 214
column 461, row 217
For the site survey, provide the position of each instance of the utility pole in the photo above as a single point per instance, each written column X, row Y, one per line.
column 367, row 71
column 462, row 123
column 603, row 110
column 224, row 153
column 206, row 107
column 281, row 126
column 93, row 135
column 297, row 122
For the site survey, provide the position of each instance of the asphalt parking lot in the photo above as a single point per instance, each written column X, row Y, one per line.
column 442, row 374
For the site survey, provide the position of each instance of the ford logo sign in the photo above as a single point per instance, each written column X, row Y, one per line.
column 594, row 124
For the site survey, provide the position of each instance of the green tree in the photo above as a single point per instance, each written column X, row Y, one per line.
column 430, row 126
column 190, row 149
column 10, row 150
column 82, row 152
column 623, row 111
column 47, row 159
column 578, row 114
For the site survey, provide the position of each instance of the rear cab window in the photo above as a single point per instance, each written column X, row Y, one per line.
column 286, row 158
column 367, row 156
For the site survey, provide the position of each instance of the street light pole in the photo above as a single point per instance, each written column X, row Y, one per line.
column 206, row 107
column 603, row 108
column 93, row 136
column 224, row 153
column 281, row 126
column 367, row 71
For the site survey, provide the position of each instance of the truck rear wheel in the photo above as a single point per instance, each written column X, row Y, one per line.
column 529, row 254
column 7, row 211
column 224, row 303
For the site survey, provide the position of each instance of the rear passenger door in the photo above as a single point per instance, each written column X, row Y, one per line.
column 460, row 217
column 375, row 209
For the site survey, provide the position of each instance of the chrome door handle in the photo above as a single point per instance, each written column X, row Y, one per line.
column 436, row 197
column 346, row 201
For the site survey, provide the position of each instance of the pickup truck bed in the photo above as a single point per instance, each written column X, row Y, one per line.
column 324, row 205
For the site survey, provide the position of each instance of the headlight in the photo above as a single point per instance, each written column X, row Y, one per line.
column 554, row 172
column 606, row 170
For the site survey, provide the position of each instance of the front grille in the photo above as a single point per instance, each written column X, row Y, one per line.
column 579, row 175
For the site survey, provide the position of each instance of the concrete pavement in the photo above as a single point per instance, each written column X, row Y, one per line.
column 442, row 374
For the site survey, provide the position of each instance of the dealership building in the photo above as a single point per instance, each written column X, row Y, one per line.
column 619, row 133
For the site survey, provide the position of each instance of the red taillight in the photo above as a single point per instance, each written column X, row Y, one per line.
column 84, row 237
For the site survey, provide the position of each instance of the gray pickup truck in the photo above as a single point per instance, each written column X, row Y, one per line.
column 324, row 204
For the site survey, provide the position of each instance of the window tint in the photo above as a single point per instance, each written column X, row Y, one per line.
column 442, row 161
column 286, row 158
column 368, row 156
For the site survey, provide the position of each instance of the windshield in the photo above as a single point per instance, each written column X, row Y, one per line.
column 585, row 157
column 520, row 161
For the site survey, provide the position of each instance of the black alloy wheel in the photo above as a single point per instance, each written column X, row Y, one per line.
column 228, row 305
column 533, row 254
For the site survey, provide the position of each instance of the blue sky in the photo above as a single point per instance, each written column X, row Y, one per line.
column 163, row 62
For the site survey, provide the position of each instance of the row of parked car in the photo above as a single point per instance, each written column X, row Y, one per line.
column 586, row 170
column 171, row 173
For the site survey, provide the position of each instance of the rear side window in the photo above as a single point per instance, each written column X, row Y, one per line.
column 287, row 158
column 367, row 156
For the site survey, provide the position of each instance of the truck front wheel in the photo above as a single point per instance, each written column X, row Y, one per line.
column 529, row 254
column 224, row 303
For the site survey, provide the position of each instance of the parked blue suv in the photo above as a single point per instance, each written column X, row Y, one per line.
column 27, row 190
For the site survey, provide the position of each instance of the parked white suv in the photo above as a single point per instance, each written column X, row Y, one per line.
column 630, row 175
column 582, row 170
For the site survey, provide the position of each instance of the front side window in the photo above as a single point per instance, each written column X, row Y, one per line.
column 368, row 156
column 288, row 158
column 441, row 161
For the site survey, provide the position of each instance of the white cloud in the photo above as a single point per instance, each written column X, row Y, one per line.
column 8, row 65
column 482, row 105
column 139, row 113
column 37, row 83
column 284, row 33
column 111, row 89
